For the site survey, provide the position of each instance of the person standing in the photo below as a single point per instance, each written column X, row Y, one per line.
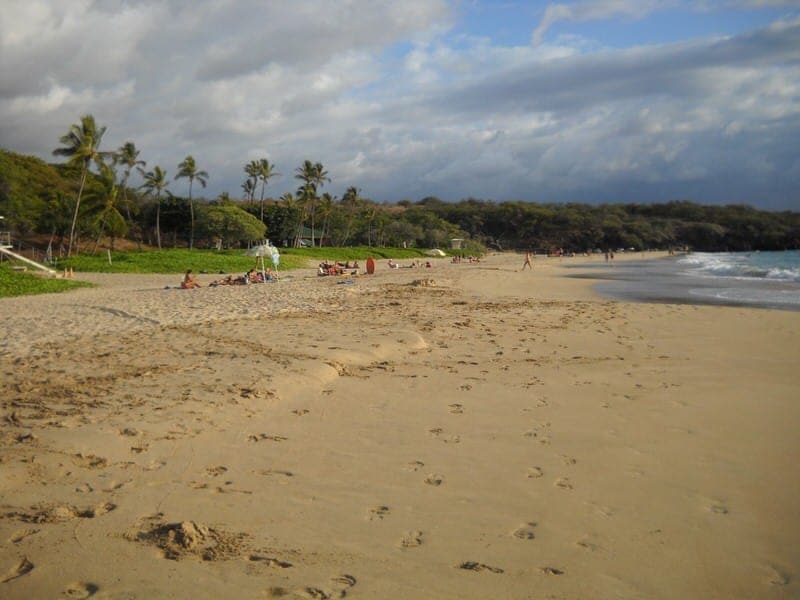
column 527, row 262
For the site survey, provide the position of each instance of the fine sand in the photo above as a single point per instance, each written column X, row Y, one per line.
column 465, row 431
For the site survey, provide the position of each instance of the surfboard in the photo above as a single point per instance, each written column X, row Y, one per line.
column 370, row 266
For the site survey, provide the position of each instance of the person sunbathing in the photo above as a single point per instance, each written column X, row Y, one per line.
column 189, row 282
column 224, row 281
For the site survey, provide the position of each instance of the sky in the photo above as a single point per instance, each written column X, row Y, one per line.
column 574, row 101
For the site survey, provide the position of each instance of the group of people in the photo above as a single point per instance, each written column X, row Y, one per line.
column 326, row 268
column 415, row 263
column 459, row 259
column 252, row 276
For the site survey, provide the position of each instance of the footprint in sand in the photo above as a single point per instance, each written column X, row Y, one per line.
column 776, row 576
column 412, row 539
column 563, row 483
column 535, row 472
column 587, row 545
column 434, row 479
column 269, row 561
column 115, row 485
column 414, row 465
column 343, row 583
column 97, row 511
column 64, row 512
column 377, row 513
column 568, row 460
column 551, row 571
column 300, row 411
column 268, row 472
column 216, row 471
column 90, row 461
column 456, row 409
column 263, row 436
column 525, row 532
column 18, row 570
column 80, row 590
column 315, row 593
column 478, row 567
column 719, row 509
column 17, row 537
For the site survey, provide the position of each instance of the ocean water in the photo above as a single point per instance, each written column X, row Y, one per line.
column 757, row 279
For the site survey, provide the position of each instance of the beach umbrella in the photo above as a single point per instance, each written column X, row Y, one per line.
column 260, row 252
column 276, row 257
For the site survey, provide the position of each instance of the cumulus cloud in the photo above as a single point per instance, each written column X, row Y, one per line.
column 590, row 10
column 395, row 100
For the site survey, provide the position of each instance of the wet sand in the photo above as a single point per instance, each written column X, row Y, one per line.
column 463, row 431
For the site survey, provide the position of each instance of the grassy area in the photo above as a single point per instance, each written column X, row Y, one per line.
column 16, row 283
column 227, row 261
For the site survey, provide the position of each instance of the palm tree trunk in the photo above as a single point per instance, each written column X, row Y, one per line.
column 99, row 236
column 125, row 197
column 75, row 215
column 262, row 199
column 191, row 215
column 158, row 221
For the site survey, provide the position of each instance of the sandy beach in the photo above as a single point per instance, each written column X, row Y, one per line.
column 464, row 431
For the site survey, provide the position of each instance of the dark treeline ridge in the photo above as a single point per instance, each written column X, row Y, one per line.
column 37, row 201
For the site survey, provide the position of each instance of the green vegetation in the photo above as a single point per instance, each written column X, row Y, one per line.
column 168, row 261
column 85, row 203
column 354, row 253
column 227, row 261
column 14, row 283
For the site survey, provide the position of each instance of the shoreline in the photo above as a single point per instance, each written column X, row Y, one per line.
column 461, row 431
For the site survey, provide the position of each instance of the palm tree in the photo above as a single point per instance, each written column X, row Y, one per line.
column 314, row 175
column 350, row 201
column 128, row 156
column 326, row 205
column 290, row 208
column 306, row 194
column 266, row 172
column 321, row 175
column 82, row 147
column 155, row 181
column 188, row 168
column 249, row 188
column 108, row 217
column 252, row 169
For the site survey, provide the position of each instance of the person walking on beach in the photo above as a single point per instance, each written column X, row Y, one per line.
column 527, row 262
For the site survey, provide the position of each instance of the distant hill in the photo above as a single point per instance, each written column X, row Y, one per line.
column 27, row 186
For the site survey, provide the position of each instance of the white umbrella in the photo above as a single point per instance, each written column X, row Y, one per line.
column 262, row 250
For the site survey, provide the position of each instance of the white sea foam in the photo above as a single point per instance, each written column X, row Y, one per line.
column 749, row 296
column 783, row 266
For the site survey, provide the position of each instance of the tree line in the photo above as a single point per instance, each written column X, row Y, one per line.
column 88, row 199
